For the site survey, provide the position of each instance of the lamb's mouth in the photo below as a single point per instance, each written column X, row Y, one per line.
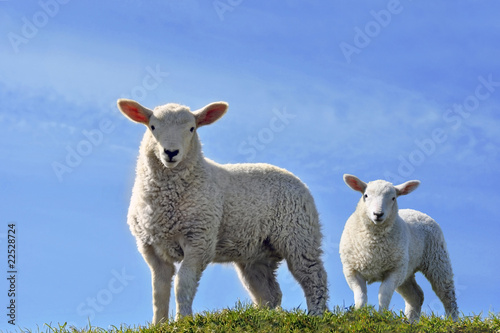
column 170, row 164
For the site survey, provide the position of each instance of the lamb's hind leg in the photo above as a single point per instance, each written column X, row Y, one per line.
column 413, row 296
column 308, row 270
column 259, row 278
column 440, row 275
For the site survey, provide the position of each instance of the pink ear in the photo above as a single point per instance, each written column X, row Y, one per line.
column 210, row 113
column 407, row 187
column 134, row 111
column 355, row 183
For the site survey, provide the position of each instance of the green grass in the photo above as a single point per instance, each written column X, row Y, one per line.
column 245, row 318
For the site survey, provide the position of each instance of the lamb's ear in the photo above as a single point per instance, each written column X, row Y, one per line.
column 210, row 113
column 134, row 111
column 355, row 183
column 407, row 187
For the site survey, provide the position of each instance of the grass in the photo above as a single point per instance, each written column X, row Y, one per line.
column 245, row 318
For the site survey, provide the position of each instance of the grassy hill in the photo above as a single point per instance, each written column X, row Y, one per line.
column 249, row 319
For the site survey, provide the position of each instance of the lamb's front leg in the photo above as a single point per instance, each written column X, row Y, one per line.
column 358, row 286
column 387, row 288
column 186, row 282
column 161, row 278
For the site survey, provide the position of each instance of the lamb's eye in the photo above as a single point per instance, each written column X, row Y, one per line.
column 365, row 196
column 152, row 127
column 192, row 129
column 393, row 198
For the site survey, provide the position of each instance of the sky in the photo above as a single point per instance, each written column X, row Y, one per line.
column 393, row 90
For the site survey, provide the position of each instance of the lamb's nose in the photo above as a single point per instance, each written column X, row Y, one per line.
column 171, row 153
column 378, row 215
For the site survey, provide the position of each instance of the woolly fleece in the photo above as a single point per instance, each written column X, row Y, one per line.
column 382, row 243
column 186, row 208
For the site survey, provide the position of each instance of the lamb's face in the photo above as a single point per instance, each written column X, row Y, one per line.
column 379, row 196
column 380, row 201
column 173, row 127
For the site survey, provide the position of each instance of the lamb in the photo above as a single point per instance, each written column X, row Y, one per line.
column 382, row 243
column 186, row 208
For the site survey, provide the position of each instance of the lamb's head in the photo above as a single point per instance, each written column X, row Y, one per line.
column 172, row 126
column 379, row 196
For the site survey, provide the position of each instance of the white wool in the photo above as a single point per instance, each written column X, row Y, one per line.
column 186, row 208
column 382, row 243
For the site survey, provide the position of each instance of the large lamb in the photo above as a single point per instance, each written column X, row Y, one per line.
column 186, row 208
column 382, row 243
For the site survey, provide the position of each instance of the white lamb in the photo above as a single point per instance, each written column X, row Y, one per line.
column 380, row 243
column 187, row 208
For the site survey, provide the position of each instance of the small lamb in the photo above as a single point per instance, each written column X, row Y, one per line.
column 380, row 243
column 186, row 208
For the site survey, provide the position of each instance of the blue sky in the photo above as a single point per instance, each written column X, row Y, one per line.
column 381, row 89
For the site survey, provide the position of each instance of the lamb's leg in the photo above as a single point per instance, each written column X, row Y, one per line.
column 440, row 275
column 161, row 278
column 358, row 286
column 188, row 277
column 259, row 279
column 413, row 296
column 308, row 270
column 386, row 290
